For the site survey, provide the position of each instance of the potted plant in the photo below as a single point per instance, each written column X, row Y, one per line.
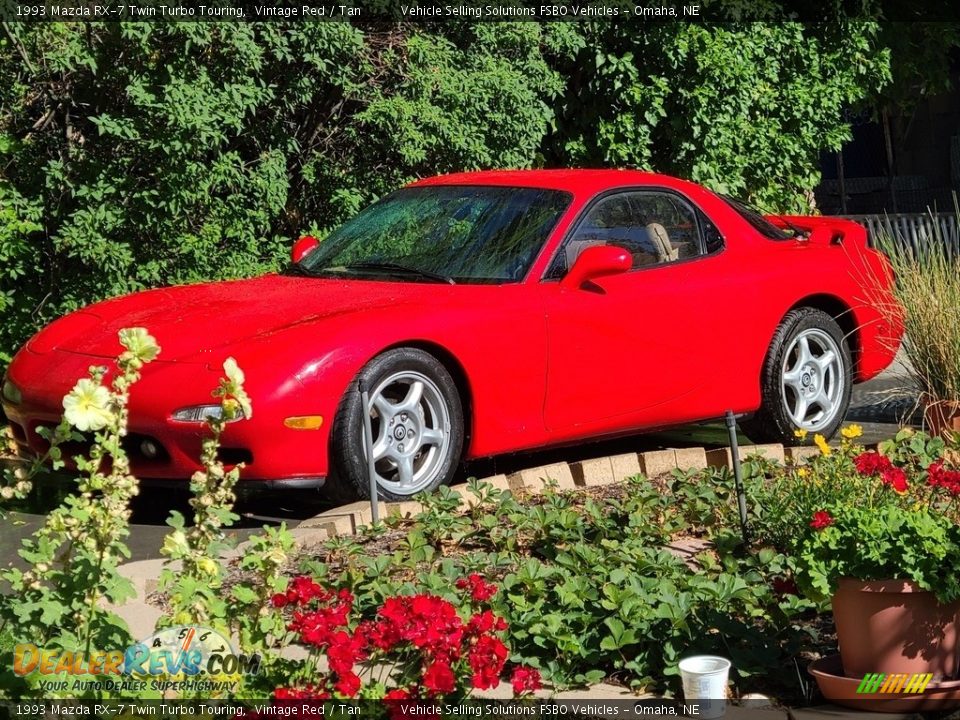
column 886, row 554
column 927, row 290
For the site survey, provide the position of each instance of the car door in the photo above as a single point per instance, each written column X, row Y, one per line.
column 638, row 349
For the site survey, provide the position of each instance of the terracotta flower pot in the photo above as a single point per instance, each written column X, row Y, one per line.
column 942, row 417
column 893, row 626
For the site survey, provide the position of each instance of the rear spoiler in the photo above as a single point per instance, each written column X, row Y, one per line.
column 823, row 230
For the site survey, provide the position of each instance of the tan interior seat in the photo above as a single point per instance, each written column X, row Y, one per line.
column 661, row 242
column 575, row 247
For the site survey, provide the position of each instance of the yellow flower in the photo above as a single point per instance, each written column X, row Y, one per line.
column 802, row 434
column 821, row 442
column 85, row 407
column 803, row 472
column 852, row 431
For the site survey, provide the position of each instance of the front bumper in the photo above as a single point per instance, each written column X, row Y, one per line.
column 271, row 453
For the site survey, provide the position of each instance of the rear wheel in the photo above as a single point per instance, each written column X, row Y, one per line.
column 806, row 380
column 417, row 421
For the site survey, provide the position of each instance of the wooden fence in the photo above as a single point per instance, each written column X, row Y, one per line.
column 915, row 231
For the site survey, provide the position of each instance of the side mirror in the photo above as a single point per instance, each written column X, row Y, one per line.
column 596, row 262
column 303, row 247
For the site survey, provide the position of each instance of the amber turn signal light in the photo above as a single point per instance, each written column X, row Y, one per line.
column 304, row 422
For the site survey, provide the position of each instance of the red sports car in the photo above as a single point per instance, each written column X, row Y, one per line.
column 491, row 312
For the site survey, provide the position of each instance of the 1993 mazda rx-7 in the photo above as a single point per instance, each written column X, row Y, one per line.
column 492, row 312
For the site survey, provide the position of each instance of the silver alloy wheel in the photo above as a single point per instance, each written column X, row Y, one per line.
column 411, row 431
column 812, row 380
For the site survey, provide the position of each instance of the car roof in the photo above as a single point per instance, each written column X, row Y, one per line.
column 571, row 180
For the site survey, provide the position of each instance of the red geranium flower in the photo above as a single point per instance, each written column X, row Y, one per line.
column 821, row 519
column 525, row 679
column 303, row 589
column 871, row 463
column 480, row 591
column 939, row 476
column 348, row 684
column 786, row 586
column 344, row 652
column 485, row 622
column 279, row 600
column 486, row 659
column 439, row 678
column 896, row 478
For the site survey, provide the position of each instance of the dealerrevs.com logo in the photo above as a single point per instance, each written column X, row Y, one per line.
column 188, row 657
column 902, row 683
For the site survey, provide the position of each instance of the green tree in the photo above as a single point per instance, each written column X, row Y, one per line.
column 139, row 154
column 744, row 108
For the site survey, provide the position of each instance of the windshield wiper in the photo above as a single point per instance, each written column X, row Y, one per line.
column 299, row 269
column 407, row 270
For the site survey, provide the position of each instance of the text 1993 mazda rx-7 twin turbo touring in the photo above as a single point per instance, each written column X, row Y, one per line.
column 492, row 312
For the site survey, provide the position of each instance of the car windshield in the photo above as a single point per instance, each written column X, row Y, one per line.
column 473, row 234
column 757, row 220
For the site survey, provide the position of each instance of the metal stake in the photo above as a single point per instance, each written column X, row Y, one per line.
column 738, row 476
column 371, row 461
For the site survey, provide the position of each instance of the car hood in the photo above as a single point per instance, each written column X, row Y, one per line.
column 190, row 319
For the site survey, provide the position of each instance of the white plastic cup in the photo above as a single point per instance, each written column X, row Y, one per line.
column 705, row 683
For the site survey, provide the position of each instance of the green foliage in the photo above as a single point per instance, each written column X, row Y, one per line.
column 140, row 154
column 888, row 515
column 879, row 542
column 586, row 587
column 920, row 59
column 744, row 108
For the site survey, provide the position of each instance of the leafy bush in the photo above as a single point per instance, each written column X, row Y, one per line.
column 587, row 589
column 743, row 107
column 138, row 154
column 899, row 519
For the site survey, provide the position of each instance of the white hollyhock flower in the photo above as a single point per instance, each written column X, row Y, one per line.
column 86, row 406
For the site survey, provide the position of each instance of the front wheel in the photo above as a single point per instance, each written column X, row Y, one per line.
column 417, row 423
column 806, row 381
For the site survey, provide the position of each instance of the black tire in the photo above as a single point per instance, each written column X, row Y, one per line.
column 348, row 464
column 772, row 423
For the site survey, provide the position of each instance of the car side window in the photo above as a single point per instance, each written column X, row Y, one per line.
column 712, row 239
column 654, row 227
